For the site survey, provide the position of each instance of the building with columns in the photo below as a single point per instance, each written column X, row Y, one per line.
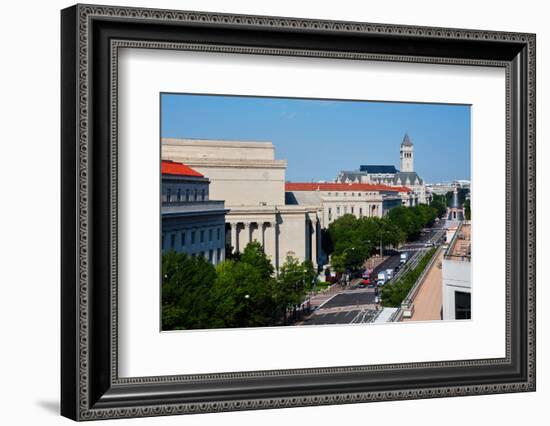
column 389, row 175
column 251, row 181
column 338, row 199
column 192, row 223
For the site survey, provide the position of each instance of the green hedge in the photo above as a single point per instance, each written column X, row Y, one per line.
column 394, row 293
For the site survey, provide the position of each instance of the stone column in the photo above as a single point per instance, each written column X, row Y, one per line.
column 271, row 235
column 247, row 234
column 314, row 241
column 234, row 242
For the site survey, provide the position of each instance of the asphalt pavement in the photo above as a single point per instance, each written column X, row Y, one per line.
column 357, row 305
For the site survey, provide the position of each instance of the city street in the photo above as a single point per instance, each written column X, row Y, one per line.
column 356, row 305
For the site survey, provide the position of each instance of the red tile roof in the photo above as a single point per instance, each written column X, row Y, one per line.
column 179, row 169
column 306, row 186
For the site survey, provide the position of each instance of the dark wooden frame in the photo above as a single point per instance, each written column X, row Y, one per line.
column 90, row 386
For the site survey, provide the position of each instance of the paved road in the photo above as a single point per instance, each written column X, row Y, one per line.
column 356, row 316
column 409, row 248
column 356, row 305
column 350, row 298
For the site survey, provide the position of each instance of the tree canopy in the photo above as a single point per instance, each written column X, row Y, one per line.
column 353, row 239
column 240, row 292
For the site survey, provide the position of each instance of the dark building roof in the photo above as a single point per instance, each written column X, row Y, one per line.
column 377, row 169
column 406, row 140
column 401, row 177
column 398, row 178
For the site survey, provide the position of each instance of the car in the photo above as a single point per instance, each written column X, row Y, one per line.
column 364, row 282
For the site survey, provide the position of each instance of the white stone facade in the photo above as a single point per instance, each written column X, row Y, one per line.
column 251, row 181
column 360, row 200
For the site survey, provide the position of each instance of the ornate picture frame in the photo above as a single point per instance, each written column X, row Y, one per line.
column 91, row 386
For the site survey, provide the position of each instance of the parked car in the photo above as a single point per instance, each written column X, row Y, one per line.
column 366, row 273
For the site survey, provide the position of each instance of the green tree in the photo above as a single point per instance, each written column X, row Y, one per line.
column 467, row 210
column 294, row 280
column 439, row 204
column 254, row 255
column 186, row 283
column 394, row 293
column 338, row 262
column 241, row 296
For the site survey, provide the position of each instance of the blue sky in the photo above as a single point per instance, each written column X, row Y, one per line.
column 321, row 137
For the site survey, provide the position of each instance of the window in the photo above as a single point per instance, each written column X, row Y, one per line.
column 168, row 194
column 203, row 195
column 353, row 194
column 186, row 195
column 352, row 210
column 183, row 239
column 329, row 211
column 219, row 233
column 202, row 236
column 210, row 255
column 219, row 255
column 338, row 210
column 162, row 242
column 195, row 195
column 336, row 194
column 210, row 235
column 173, row 241
column 179, row 195
column 192, row 237
column 345, row 209
column 462, row 305
column 329, row 194
column 360, row 211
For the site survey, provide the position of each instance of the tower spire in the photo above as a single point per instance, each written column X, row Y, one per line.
column 406, row 154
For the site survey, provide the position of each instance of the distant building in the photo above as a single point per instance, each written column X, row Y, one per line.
column 191, row 222
column 454, row 216
column 456, row 270
column 338, row 199
column 442, row 188
column 389, row 175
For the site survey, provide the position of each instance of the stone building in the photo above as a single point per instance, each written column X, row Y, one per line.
column 338, row 199
column 191, row 222
column 389, row 175
column 251, row 181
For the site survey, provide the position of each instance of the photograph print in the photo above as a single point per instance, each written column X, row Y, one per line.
column 313, row 212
